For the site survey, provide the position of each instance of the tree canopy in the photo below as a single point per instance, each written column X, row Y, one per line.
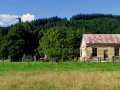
column 55, row 37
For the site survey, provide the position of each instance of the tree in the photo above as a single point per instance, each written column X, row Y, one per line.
column 19, row 41
column 56, row 37
column 59, row 42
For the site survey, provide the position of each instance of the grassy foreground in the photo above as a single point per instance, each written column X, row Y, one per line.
column 59, row 76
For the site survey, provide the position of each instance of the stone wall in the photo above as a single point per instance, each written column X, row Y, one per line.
column 110, row 52
column 100, row 53
column 88, row 52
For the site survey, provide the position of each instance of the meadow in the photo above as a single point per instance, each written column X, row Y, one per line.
column 59, row 76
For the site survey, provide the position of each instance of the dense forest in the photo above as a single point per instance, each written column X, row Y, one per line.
column 57, row 38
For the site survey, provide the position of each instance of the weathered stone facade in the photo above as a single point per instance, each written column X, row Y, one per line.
column 93, row 49
column 100, row 53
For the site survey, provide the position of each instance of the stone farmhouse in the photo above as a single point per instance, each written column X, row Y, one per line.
column 100, row 47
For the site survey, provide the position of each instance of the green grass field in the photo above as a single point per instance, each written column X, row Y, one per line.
column 59, row 76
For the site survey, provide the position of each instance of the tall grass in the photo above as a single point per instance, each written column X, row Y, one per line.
column 59, row 76
column 73, row 80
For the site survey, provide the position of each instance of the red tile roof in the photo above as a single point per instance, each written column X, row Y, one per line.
column 101, row 38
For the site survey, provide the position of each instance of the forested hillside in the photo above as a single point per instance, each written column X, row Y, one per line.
column 55, row 37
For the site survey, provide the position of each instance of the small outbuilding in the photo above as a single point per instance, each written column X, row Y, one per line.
column 100, row 47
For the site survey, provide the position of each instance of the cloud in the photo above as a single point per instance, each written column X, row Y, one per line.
column 6, row 20
column 1, row 23
column 28, row 17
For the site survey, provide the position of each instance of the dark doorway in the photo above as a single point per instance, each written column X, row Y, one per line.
column 94, row 52
column 105, row 54
column 116, row 51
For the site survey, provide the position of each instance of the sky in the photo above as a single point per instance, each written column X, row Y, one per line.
column 34, row 9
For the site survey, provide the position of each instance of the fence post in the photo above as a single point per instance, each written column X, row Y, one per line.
column 113, row 58
column 98, row 59
column 84, row 59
